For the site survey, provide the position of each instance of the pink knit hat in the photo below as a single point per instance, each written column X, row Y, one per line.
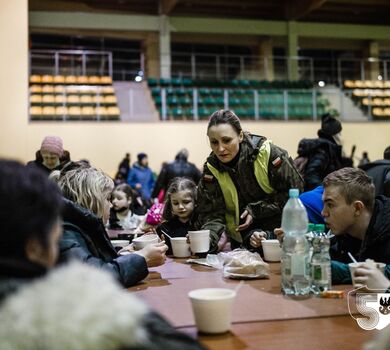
column 52, row 144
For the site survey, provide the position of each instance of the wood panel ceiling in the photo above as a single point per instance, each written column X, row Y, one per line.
column 331, row 11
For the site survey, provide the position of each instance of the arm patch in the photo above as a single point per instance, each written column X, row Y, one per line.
column 277, row 162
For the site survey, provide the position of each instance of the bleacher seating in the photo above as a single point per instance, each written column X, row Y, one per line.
column 72, row 98
column 372, row 96
column 240, row 97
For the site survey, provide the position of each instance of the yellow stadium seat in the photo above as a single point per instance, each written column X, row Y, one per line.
column 349, row 84
column 48, row 110
column 61, row 110
column 98, row 99
column 82, row 80
column 105, row 80
column 47, row 79
column 113, row 111
column 48, row 98
column 107, row 90
column 359, row 84
column 101, row 111
column 36, row 88
column 35, row 110
column 59, row 99
column 48, row 89
column 59, row 89
column 87, row 111
column 36, row 99
column 86, row 99
column 74, row 111
column 59, row 79
column 73, row 99
column 70, row 79
column 94, row 80
column 377, row 112
column 35, row 78
column 110, row 99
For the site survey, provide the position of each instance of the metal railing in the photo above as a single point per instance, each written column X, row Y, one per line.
column 233, row 66
column 71, row 62
column 280, row 105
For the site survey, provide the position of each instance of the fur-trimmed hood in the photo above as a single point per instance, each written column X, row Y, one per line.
column 75, row 307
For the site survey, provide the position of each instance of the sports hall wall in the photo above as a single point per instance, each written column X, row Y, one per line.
column 104, row 144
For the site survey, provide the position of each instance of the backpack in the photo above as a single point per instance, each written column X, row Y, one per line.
column 300, row 163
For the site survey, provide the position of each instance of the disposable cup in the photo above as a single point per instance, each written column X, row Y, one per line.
column 120, row 243
column 199, row 241
column 180, row 247
column 352, row 269
column 272, row 250
column 212, row 308
column 354, row 266
column 141, row 242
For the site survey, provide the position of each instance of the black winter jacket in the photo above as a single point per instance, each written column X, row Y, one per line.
column 324, row 156
column 85, row 238
column 375, row 245
column 379, row 171
column 178, row 168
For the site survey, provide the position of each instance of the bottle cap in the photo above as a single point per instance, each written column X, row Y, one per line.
column 293, row 193
column 320, row 228
column 310, row 227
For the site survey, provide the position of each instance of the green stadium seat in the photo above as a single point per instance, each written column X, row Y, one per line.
column 152, row 82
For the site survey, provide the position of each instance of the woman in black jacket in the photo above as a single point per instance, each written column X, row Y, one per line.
column 87, row 206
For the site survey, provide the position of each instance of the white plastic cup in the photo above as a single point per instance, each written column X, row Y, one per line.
column 212, row 308
column 272, row 250
column 354, row 266
column 120, row 243
column 141, row 242
column 199, row 241
column 352, row 269
column 180, row 247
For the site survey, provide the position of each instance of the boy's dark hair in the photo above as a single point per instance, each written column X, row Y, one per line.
column 177, row 184
column 30, row 204
column 354, row 184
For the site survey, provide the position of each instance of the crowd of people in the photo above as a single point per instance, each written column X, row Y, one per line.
column 58, row 212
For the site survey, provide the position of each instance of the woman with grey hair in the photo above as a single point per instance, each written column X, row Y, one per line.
column 87, row 193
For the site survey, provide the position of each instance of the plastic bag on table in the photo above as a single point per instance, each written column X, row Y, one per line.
column 243, row 264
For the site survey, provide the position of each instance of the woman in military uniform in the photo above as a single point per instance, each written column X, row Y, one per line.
column 244, row 184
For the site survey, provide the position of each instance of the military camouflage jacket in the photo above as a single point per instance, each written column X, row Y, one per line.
column 266, row 209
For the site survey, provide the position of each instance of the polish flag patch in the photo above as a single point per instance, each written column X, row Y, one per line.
column 277, row 162
column 208, row 178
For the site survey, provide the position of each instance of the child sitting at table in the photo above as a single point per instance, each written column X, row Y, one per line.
column 122, row 214
column 178, row 209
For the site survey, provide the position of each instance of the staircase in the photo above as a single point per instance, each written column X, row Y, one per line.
column 135, row 102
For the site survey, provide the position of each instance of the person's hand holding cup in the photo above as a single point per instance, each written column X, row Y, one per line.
column 370, row 275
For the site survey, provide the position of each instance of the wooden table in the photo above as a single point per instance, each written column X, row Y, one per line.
column 262, row 317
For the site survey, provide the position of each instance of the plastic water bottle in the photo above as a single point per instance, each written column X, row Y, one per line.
column 295, row 256
column 320, row 262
